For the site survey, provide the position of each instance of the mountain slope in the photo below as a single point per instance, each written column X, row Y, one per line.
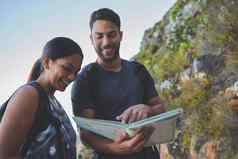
column 193, row 56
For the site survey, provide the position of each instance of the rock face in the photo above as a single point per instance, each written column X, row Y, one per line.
column 193, row 56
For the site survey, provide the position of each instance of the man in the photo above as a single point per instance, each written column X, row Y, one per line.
column 115, row 89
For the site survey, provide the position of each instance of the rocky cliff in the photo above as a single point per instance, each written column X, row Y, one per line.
column 193, row 56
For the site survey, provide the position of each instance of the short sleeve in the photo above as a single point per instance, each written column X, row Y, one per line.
column 148, row 84
column 81, row 96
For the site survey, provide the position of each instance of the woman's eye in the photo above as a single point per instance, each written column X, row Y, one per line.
column 66, row 68
column 75, row 73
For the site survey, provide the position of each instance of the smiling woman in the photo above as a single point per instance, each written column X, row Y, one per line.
column 33, row 113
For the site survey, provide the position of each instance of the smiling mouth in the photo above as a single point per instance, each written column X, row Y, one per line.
column 109, row 50
column 66, row 82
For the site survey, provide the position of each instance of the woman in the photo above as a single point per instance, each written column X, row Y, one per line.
column 34, row 124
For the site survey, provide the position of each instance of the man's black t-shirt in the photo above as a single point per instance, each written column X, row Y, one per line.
column 110, row 93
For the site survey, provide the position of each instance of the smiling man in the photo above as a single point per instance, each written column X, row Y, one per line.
column 115, row 89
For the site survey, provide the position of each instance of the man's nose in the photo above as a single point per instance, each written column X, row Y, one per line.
column 106, row 41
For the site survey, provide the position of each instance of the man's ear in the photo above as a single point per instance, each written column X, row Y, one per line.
column 91, row 38
column 46, row 63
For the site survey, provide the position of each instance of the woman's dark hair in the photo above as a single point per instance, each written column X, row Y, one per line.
column 105, row 14
column 58, row 47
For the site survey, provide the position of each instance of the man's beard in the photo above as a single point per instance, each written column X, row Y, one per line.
column 106, row 59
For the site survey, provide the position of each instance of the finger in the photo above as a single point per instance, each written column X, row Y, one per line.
column 137, row 139
column 121, row 116
column 133, row 117
column 121, row 136
column 138, row 130
column 139, row 142
column 144, row 115
column 140, row 116
column 126, row 116
column 118, row 117
column 139, row 146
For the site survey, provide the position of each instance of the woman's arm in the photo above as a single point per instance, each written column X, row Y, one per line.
column 17, row 121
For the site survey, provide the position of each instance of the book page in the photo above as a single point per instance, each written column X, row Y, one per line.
column 164, row 132
column 104, row 128
column 164, row 126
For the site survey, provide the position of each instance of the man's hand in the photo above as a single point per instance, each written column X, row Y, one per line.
column 135, row 113
column 123, row 144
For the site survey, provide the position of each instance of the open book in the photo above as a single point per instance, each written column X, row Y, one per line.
column 164, row 126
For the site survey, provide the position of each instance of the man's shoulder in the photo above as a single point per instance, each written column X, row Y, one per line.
column 90, row 67
column 139, row 69
column 87, row 71
column 137, row 66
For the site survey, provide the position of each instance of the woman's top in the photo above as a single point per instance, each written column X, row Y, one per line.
column 52, row 135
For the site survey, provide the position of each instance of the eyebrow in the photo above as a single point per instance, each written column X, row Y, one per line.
column 105, row 32
column 71, row 66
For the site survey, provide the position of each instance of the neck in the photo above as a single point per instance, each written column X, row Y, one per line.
column 45, row 85
column 114, row 65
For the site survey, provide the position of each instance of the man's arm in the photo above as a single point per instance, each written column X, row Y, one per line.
column 121, row 145
column 140, row 111
column 152, row 105
column 157, row 106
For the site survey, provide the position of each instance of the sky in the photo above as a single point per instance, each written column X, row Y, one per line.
column 27, row 25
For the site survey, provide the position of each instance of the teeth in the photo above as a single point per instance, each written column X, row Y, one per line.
column 66, row 82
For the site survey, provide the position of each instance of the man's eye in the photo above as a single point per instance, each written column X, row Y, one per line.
column 99, row 36
column 113, row 34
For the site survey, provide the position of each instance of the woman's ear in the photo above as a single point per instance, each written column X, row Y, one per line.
column 45, row 63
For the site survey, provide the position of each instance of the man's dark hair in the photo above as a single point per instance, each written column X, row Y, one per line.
column 105, row 14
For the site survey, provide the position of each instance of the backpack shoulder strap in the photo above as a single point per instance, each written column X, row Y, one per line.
column 92, row 70
column 42, row 116
column 41, row 92
column 43, row 108
column 92, row 74
column 3, row 109
column 139, row 69
column 4, row 105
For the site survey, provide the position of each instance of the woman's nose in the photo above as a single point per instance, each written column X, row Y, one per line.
column 72, row 76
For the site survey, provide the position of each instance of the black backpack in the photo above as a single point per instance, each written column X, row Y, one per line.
column 4, row 105
column 3, row 108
